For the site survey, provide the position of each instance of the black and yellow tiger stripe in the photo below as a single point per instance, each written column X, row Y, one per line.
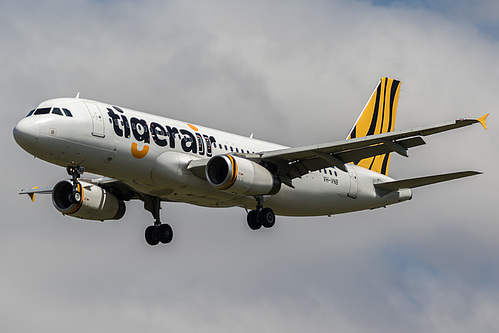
column 378, row 117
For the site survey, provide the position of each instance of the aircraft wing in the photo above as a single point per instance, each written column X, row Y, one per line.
column 295, row 162
column 31, row 192
column 117, row 187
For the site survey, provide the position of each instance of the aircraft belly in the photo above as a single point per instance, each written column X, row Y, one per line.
column 314, row 194
column 202, row 195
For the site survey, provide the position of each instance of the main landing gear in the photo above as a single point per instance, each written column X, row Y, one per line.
column 261, row 216
column 158, row 232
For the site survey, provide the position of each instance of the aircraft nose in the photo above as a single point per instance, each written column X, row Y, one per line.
column 26, row 133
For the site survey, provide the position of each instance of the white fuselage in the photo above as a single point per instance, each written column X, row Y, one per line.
column 151, row 154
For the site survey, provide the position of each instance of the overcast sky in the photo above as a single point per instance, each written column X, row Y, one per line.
column 292, row 72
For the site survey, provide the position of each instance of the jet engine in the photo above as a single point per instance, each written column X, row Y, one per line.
column 241, row 176
column 89, row 201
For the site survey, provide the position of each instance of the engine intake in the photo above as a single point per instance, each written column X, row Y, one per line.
column 241, row 176
column 92, row 203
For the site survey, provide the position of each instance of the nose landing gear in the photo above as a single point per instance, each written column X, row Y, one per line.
column 75, row 172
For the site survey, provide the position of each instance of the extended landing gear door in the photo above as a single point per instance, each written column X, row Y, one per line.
column 354, row 182
column 97, row 120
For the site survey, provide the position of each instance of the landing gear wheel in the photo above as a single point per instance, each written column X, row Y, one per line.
column 75, row 197
column 158, row 232
column 252, row 219
column 152, row 235
column 267, row 217
column 164, row 233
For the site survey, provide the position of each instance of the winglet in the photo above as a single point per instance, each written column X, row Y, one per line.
column 32, row 194
column 481, row 120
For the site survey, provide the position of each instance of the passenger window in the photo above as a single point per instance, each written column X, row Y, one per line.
column 231, row 149
column 57, row 111
column 42, row 111
column 237, row 150
column 67, row 112
column 225, row 147
column 330, row 173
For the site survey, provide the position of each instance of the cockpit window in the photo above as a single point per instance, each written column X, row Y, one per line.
column 42, row 111
column 57, row 111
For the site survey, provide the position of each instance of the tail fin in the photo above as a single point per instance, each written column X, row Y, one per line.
column 378, row 117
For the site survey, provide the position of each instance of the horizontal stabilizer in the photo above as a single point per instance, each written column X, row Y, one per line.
column 423, row 181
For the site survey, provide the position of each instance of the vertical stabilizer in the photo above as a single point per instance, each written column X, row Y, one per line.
column 378, row 117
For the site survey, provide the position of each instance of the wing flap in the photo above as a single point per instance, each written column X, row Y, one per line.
column 355, row 155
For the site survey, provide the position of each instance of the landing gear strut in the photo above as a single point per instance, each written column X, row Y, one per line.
column 75, row 172
column 158, row 232
column 261, row 216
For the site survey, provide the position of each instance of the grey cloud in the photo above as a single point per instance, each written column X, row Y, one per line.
column 296, row 73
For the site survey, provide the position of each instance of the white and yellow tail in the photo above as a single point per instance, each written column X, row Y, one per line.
column 378, row 117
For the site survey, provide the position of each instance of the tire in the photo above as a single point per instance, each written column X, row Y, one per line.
column 165, row 233
column 267, row 217
column 252, row 220
column 152, row 235
column 76, row 197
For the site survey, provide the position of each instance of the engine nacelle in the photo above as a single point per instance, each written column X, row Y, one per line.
column 92, row 203
column 241, row 176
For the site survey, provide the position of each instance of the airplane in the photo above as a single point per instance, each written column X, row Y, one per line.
column 154, row 159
